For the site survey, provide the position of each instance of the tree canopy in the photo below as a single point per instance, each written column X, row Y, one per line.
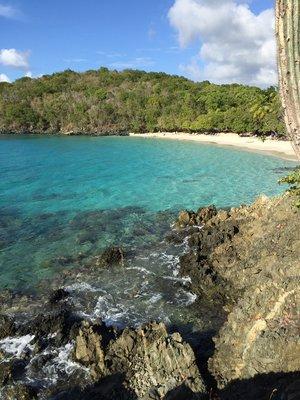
column 104, row 101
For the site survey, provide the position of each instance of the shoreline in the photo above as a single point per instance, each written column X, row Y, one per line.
column 279, row 148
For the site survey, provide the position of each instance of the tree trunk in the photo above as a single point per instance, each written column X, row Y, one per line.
column 288, row 44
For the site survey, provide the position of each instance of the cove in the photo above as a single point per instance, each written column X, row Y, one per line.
column 65, row 199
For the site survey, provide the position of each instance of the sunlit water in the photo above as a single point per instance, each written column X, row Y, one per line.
column 64, row 200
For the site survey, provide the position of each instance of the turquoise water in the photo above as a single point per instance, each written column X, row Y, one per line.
column 64, row 199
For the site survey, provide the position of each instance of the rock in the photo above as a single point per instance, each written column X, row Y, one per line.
column 154, row 362
column 19, row 392
column 151, row 361
column 7, row 327
column 261, row 263
column 11, row 371
column 89, row 348
column 58, row 296
column 62, row 322
column 112, row 256
column 190, row 218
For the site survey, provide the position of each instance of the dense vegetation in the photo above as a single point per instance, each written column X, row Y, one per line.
column 106, row 101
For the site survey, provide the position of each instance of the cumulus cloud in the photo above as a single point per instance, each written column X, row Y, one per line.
column 4, row 78
column 14, row 58
column 7, row 11
column 236, row 45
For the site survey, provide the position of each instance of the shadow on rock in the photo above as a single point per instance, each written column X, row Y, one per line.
column 279, row 386
column 108, row 388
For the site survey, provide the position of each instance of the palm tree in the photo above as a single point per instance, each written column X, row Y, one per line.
column 288, row 43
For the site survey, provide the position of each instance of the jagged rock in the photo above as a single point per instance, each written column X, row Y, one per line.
column 152, row 361
column 89, row 348
column 199, row 218
column 112, row 256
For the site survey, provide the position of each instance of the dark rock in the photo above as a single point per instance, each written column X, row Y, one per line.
column 112, row 256
column 58, row 296
column 62, row 321
column 11, row 371
column 19, row 392
column 7, row 326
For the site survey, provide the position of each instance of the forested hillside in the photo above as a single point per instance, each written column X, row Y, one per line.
column 106, row 101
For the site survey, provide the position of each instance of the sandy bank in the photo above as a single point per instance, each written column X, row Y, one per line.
column 278, row 148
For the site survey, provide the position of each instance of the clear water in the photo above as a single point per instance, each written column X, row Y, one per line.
column 62, row 200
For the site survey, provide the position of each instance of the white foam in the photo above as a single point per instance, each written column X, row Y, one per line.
column 81, row 287
column 17, row 345
column 140, row 269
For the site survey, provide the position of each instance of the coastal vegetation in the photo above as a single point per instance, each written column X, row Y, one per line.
column 105, row 101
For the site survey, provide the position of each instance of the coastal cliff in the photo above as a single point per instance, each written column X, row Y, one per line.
column 245, row 261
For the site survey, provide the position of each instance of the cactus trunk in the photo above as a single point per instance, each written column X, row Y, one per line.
column 288, row 43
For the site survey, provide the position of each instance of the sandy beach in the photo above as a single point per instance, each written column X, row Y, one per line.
column 277, row 148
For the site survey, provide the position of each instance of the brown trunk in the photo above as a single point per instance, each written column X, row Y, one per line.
column 288, row 42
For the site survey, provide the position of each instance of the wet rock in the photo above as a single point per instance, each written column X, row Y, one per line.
column 7, row 327
column 62, row 322
column 58, row 296
column 112, row 256
column 11, row 370
column 19, row 392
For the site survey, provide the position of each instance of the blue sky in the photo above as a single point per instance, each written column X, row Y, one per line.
column 86, row 34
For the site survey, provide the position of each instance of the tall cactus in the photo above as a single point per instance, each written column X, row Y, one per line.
column 288, row 44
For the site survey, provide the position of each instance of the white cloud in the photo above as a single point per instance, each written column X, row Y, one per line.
column 7, row 11
column 236, row 45
column 4, row 78
column 14, row 58
column 29, row 74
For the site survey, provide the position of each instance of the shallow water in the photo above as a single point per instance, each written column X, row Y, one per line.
column 65, row 199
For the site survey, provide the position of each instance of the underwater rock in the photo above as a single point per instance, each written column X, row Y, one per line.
column 112, row 256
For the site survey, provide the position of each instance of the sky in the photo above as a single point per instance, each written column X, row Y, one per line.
column 223, row 41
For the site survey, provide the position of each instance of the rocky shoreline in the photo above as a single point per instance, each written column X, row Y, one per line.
column 243, row 265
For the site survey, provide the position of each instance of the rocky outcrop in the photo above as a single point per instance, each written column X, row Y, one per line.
column 152, row 361
column 199, row 218
column 249, row 257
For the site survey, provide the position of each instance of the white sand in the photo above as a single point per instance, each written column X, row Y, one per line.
column 278, row 148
